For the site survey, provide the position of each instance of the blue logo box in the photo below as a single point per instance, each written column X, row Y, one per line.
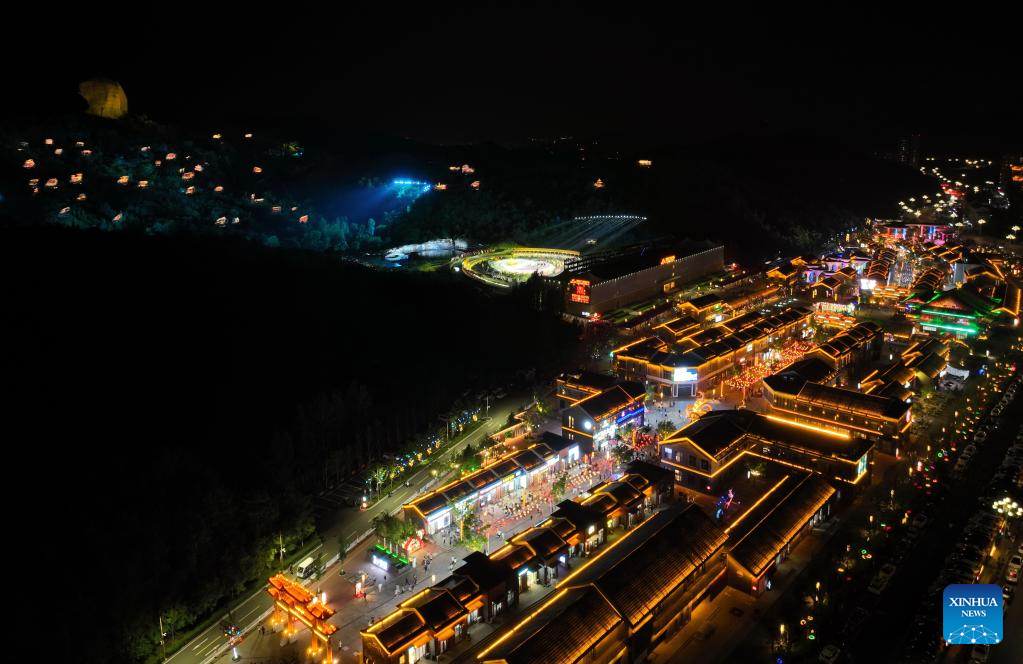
column 972, row 613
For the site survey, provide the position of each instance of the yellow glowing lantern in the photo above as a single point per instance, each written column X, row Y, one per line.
column 190, row 191
column 646, row 163
column 33, row 182
column 171, row 156
column 29, row 163
column 86, row 152
column 257, row 169
column 49, row 141
column 79, row 144
column 187, row 176
column 222, row 221
column 51, row 183
column 143, row 184
column 276, row 209
column 65, row 210
column 144, row 148
column 218, row 188
column 122, row 180
column 76, row 178
column 440, row 186
column 216, row 137
column 80, row 197
column 248, row 135
column 599, row 184
column 235, row 220
column 475, row 184
column 198, row 167
column 303, row 219
column 120, row 215
column 58, row 151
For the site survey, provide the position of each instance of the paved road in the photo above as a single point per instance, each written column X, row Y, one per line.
column 353, row 522
column 890, row 622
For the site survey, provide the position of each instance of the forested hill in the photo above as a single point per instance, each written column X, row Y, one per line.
column 327, row 190
column 756, row 196
column 178, row 400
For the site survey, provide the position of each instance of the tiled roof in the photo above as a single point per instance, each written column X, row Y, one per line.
column 484, row 571
column 438, row 607
column 404, row 628
column 666, row 557
column 870, row 405
column 775, row 527
column 713, row 432
column 562, row 631
column 624, row 584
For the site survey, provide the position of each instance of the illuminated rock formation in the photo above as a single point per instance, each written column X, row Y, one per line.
column 106, row 98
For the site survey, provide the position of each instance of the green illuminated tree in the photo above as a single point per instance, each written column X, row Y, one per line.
column 470, row 528
column 558, row 487
column 622, row 454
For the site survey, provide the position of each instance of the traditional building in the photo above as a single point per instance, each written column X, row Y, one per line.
column 764, row 535
column 851, row 345
column 595, row 419
column 877, row 417
column 512, row 472
column 618, row 606
column 699, row 361
column 701, row 452
column 428, row 624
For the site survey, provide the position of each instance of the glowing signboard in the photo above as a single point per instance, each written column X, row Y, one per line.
column 861, row 465
column 684, row 376
column 579, row 290
column 667, row 259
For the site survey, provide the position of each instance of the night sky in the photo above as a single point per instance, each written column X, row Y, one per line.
column 476, row 74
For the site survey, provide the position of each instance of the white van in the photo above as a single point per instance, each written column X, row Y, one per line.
column 305, row 568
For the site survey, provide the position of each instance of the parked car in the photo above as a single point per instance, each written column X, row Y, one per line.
column 878, row 584
column 829, row 655
column 1016, row 562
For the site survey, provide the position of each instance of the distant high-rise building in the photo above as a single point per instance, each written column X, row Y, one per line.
column 908, row 151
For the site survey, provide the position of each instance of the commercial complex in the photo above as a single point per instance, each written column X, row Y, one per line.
column 794, row 394
column 765, row 533
column 621, row 603
column 701, row 452
column 852, row 345
column 439, row 617
column 594, row 419
column 697, row 359
column 596, row 284
column 512, row 472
